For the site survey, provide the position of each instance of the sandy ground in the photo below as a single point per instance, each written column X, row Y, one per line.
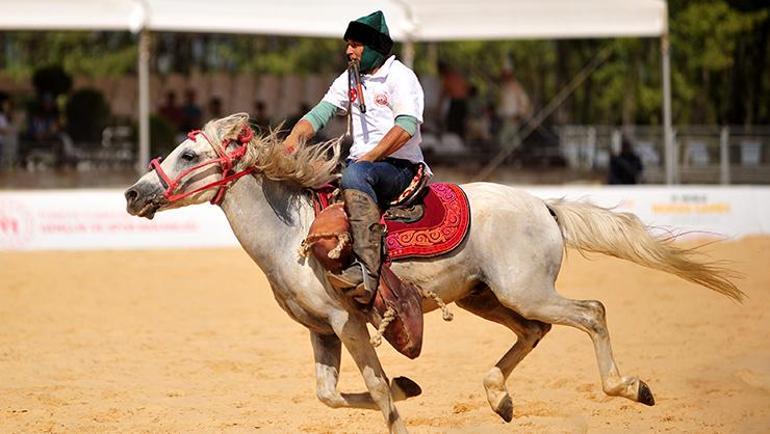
column 192, row 341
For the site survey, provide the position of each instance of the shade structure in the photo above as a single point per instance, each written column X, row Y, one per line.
column 70, row 15
column 418, row 20
column 409, row 21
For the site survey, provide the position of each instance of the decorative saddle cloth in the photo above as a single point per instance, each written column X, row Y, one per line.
column 433, row 222
column 433, row 227
column 444, row 224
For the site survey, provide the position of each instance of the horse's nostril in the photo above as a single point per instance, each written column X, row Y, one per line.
column 131, row 195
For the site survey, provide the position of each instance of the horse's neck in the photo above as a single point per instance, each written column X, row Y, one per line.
column 269, row 219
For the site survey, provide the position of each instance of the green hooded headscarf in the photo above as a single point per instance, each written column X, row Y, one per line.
column 371, row 31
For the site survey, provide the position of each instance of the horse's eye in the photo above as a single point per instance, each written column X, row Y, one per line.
column 189, row 156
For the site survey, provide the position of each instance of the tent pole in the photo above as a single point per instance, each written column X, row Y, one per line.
column 668, row 136
column 144, row 101
column 409, row 53
column 410, row 32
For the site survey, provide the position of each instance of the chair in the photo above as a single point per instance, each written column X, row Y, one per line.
column 696, row 154
column 751, row 153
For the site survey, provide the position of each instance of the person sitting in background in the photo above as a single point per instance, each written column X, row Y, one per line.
column 625, row 167
column 43, row 119
column 513, row 107
column 170, row 111
column 192, row 116
column 215, row 107
column 479, row 119
column 261, row 119
column 456, row 89
column 45, row 131
column 5, row 125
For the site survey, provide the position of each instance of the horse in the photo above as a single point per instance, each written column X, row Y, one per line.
column 504, row 271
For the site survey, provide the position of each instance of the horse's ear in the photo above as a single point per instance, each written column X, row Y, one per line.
column 231, row 126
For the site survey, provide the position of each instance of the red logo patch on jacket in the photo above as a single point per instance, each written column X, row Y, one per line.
column 381, row 99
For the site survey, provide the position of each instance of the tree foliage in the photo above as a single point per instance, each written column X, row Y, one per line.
column 93, row 54
column 719, row 63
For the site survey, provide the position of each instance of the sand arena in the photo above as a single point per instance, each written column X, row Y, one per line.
column 163, row 341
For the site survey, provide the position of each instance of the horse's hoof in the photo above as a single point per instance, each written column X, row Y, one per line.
column 505, row 408
column 645, row 394
column 409, row 387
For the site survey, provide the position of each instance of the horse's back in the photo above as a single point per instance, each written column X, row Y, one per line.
column 502, row 201
column 510, row 230
column 510, row 226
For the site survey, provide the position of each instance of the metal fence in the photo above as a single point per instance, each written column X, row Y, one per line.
column 115, row 150
column 704, row 154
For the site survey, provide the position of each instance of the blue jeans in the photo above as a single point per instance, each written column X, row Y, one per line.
column 382, row 180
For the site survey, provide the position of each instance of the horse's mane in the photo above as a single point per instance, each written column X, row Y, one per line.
column 308, row 166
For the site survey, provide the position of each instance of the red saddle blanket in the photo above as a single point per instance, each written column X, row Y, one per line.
column 444, row 225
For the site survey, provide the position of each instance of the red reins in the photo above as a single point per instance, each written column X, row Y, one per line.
column 226, row 161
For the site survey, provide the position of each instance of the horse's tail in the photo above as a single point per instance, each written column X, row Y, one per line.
column 590, row 228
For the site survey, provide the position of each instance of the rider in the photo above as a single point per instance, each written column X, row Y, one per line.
column 386, row 141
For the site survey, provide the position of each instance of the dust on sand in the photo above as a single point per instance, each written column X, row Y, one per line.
column 192, row 341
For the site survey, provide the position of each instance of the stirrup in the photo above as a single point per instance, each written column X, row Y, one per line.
column 347, row 279
column 352, row 283
column 361, row 295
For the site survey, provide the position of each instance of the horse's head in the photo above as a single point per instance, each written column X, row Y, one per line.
column 196, row 171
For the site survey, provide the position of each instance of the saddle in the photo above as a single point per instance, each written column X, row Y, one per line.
column 424, row 221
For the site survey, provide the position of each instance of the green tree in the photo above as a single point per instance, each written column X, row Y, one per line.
column 719, row 54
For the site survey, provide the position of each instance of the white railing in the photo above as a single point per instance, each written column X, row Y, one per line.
column 705, row 154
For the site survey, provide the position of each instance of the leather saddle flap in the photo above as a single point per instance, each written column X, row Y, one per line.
column 327, row 234
column 405, row 331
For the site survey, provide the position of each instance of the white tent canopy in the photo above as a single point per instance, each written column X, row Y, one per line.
column 419, row 20
column 409, row 21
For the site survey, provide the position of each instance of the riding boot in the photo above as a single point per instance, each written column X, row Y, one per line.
column 361, row 279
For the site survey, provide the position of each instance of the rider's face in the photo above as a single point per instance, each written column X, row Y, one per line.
column 354, row 50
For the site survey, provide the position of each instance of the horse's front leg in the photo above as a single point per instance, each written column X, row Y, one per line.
column 327, row 350
column 354, row 335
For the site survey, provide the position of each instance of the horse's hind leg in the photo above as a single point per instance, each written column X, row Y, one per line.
column 483, row 303
column 327, row 350
column 589, row 316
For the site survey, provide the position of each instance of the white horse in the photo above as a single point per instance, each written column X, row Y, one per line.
column 504, row 271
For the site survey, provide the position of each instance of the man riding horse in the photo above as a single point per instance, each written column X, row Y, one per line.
column 385, row 105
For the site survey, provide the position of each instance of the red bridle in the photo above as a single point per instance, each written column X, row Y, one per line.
column 226, row 161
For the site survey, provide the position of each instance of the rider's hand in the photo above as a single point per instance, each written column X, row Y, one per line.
column 367, row 157
column 301, row 133
column 290, row 144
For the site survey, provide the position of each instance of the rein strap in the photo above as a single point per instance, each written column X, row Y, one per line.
column 226, row 162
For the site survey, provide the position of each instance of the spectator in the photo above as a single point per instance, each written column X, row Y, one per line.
column 215, row 107
column 479, row 124
column 43, row 121
column 261, row 119
column 456, row 89
column 513, row 107
column 171, row 112
column 625, row 167
column 192, row 116
column 5, row 127
column 44, row 131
